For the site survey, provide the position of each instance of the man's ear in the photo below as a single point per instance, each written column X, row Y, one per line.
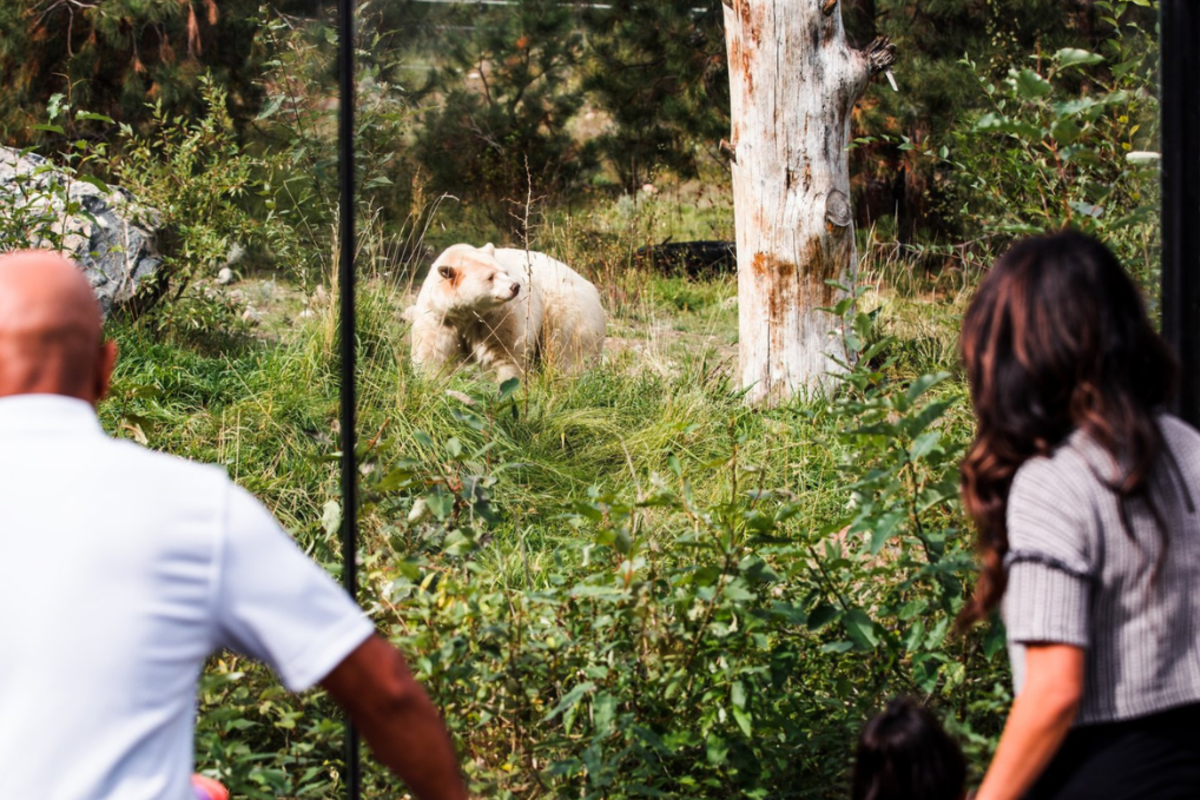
column 104, row 369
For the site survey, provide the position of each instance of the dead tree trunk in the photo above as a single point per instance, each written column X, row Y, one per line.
column 794, row 81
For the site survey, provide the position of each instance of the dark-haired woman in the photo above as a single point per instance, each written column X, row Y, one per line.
column 1084, row 492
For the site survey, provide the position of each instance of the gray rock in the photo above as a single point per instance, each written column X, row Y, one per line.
column 113, row 240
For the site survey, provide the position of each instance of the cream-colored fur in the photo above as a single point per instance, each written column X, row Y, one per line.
column 501, row 307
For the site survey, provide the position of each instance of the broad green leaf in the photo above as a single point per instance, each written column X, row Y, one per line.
column 938, row 634
column 331, row 517
column 270, row 107
column 94, row 181
column 790, row 612
column 994, row 640
column 884, row 529
column 926, row 671
column 914, row 425
column 861, row 629
column 440, row 503
column 913, row 608
column 736, row 591
column 914, row 637
column 1073, row 56
column 742, row 718
column 604, row 708
column 1084, row 156
column 737, row 694
column 716, row 750
column 1030, row 85
column 1086, row 107
column 924, row 444
column 674, row 465
column 508, row 387
column 924, row 383
column 1065, row 131
column 822, row 615
column 570, row 699
column 991, row 122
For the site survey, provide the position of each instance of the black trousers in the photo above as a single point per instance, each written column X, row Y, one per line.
column 1150, row 758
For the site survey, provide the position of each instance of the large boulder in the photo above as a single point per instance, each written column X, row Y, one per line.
column 104, row 230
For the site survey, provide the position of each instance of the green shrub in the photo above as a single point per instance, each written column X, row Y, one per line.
column 1069, row 141
column 202, row 184
column 681, row 644
column 37, row 202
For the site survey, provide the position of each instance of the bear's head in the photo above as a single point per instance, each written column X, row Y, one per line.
column 470, row 280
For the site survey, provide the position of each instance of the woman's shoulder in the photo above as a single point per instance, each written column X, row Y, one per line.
column 1068, row 469
column 1079, row 467
column 1050, row 506
column 1177, row 432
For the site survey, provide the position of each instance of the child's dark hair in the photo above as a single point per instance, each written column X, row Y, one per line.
column 904, row 754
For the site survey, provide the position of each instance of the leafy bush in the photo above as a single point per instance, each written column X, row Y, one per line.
column 116, row 56
column 684, row 646
column 37, row 202
column 718, row 613
column 201, row 183
column 298, row 124
column 1070, row 141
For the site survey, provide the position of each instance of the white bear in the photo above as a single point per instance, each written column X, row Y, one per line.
column 501, row 308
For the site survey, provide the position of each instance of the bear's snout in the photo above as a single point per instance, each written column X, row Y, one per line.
column 516, row 289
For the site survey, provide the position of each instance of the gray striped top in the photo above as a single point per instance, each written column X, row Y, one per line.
column 1074, row 577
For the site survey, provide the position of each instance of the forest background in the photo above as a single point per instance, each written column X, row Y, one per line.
column 629, row 583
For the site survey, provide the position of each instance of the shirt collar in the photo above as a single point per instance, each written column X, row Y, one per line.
column 47, row 413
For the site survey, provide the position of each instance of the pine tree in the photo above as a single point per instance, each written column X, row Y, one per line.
column 114, row 57
column 659, row 70
column 499, row 131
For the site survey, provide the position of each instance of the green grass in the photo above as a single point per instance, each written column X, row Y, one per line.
column 264, row 402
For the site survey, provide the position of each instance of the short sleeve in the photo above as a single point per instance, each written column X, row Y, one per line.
column 275, row 604
column 1049, row 562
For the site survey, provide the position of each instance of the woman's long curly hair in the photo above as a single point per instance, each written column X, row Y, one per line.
column 1057, row 339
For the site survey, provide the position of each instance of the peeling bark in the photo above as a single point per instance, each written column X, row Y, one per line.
column 794, row 81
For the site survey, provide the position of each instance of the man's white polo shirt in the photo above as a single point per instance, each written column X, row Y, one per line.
column 123, row 569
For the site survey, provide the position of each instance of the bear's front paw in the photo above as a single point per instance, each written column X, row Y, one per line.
column 505, row 372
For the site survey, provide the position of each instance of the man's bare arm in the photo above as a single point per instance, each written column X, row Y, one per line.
column 397, row 719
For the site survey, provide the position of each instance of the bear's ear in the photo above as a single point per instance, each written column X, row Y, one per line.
column 448, row 272
column 489, row 248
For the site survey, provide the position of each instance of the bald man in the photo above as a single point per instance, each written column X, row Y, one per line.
column 124, row 569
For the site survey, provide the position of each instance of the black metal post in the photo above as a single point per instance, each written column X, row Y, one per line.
column 348, row 341
column 1179, row 78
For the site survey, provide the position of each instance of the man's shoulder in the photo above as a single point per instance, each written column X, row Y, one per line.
column 158, row 468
